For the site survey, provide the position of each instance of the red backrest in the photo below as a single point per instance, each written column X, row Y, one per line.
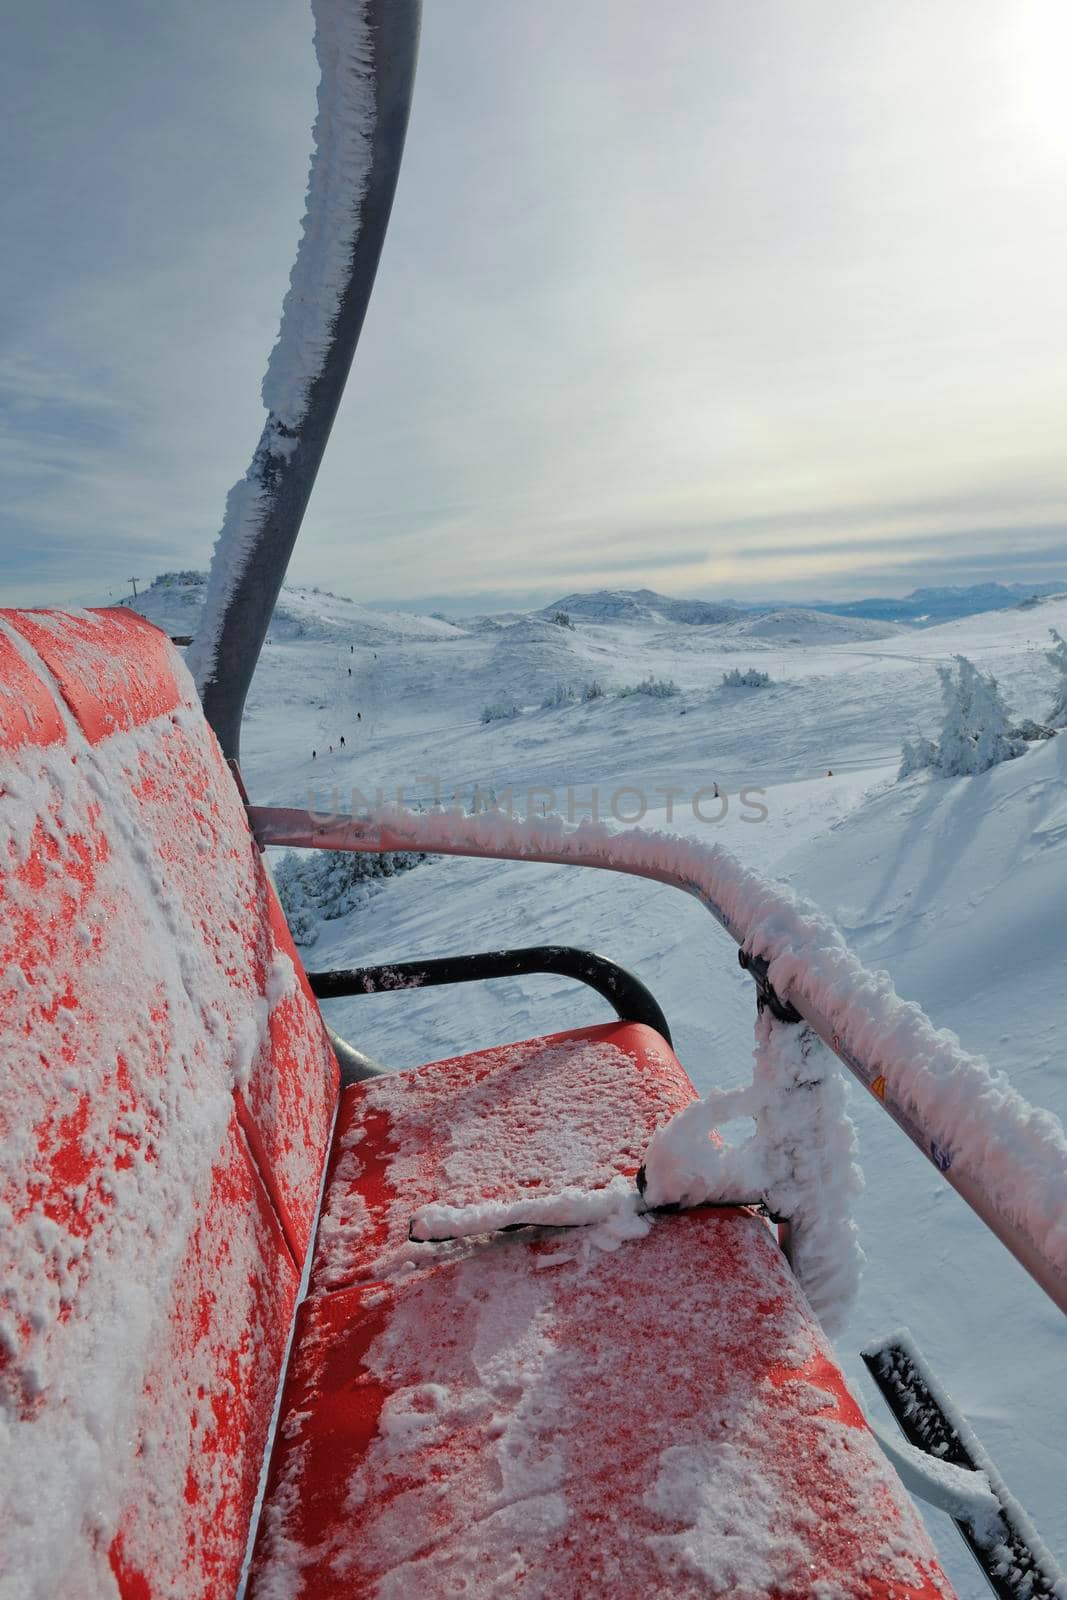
column 167, row 1095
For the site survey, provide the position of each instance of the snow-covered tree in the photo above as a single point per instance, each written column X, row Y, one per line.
column 976, row 733
column 995, row 738
column 1057, row 657
column 322, row 885
column 750, row 678
column 956, row 744
column 655, row 688
column 501, row 711
column 917, row 756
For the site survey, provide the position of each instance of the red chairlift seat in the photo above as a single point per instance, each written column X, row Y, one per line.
column 520, row 1411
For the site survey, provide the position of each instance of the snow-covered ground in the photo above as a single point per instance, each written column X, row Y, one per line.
column 956, row 887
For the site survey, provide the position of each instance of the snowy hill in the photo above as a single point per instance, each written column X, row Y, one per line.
column 800, row 626
column 794, row 625
column 175, row 600
column 640, row 605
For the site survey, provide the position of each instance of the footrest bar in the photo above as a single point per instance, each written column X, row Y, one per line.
column 1016, row 1563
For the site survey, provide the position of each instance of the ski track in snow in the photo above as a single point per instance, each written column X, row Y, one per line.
column 954, row 887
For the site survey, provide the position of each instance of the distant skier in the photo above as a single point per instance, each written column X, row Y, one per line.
column 312, row 755
column 715, row 788
column 829, row 773
column 359, row 716
column 351, row 649
column 331, row 749
column 350, row 672
column 342, row 741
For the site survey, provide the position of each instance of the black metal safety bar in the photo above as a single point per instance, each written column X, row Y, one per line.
column 356, row 1066
column 759, row 1208
column 631, row 1000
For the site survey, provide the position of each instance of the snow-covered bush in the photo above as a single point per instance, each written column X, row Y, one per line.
column 501, row 711
column 655, row 688
column 976, row 732
column 561, row 695
column 1032, row 731
column 562, row 620
column 189, row 578
column 1057, row 657
column 326, row 884
column 917, row 756
column 750, row 678
column 594, row 690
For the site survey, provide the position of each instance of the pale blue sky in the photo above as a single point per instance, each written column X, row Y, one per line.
column 728, row 297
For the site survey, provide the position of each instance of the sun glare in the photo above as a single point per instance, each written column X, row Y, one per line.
column 1040, row 70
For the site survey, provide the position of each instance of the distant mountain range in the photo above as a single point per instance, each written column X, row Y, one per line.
column 921, row 608
column 175, row 599
column 924, row 607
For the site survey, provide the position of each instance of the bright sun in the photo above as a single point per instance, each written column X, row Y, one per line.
column 1039, row 39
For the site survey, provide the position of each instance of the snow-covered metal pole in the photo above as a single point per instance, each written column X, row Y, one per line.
column 367, row 51
column 1006, row 1158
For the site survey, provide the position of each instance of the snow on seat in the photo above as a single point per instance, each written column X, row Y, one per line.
column 167, row 1096
column 531, row 1412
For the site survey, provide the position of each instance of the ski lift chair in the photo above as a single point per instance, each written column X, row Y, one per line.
column 224, row 1360
column 514, row 1409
